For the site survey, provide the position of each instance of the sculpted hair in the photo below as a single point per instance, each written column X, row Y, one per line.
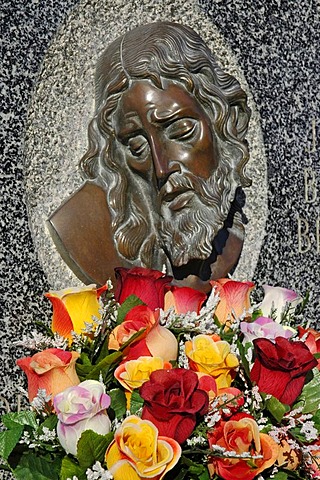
column 159, row 51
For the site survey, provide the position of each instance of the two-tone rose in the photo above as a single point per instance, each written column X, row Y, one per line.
column 138, row 452
column 81, row 408
column 52, row 370
column 253, row 451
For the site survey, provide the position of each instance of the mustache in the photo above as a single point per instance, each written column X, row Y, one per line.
column 177, row 183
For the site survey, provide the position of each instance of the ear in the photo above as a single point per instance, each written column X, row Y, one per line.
column 240, row 116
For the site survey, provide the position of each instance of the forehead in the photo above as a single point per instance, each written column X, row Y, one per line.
column 143, row 98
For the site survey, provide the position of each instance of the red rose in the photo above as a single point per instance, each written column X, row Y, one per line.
column 148, row 285
column 280, row 368
column 172, row 401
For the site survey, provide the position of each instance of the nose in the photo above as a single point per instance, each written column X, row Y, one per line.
column 163, row 164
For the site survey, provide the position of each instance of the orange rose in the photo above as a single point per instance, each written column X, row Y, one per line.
column 234, row 298
column 52, row 370
column 73, row 308
column 241, row 435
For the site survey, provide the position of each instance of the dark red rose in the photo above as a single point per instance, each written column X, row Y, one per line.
column 280, row 368
column 172, row 401
column 148, row 285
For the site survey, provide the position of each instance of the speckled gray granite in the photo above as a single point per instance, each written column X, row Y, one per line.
column 274, row 47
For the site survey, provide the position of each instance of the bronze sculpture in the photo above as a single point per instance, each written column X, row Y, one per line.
column 167, row 146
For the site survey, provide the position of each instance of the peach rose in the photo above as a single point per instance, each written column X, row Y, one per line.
column 210, row 355
column 73, row 308
column 52, row 370
column 241, row 435
column 234, row 298
column 154, row 341
column 139, row 453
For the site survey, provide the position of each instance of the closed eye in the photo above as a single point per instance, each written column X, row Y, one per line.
column 182, row 129
column 137, row 145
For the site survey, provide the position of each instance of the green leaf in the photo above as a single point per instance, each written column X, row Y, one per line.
column 127, row 305
column 92, row 447
column 32, row 467
column 310, row 395
column 11, row 420
column 69, row 468
column 9, row 439
column 136, row 402
column 276, row 408
column 243, row 350
column 256, row 314
column 103, row 366
column 279, row 476
column 118, row 402
column 50, row 422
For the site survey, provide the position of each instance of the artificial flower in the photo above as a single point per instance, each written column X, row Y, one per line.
column 73, row 308
column 209, row 354
column 52, row 370
column 184, row 299
column 134, row 373
column 264, row 327
column 275, row 301
column 280, row 367
column 155, row 340
column 172, row 401
column 148, row 285
column 230, row 400
column 288, row 456
column 81, row 408
column 234, row 298
column 139, row 453
column 241, row 435
column 312, row 339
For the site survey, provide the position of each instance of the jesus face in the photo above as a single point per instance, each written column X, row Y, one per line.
column 167, row 139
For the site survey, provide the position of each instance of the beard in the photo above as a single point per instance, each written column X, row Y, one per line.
column 188, row 233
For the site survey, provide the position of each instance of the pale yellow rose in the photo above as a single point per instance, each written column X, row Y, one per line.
column 212, row 357
column 138, row 453
column 134, row 373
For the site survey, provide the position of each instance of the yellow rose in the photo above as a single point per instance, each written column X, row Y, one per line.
column 212, row 357
column 73, row 308
column 134, row 373
column 138, row 453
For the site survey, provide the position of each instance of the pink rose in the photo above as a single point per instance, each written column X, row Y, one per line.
column 52, row 370
column 264, row 327
column 276, row 299
column 81, row 408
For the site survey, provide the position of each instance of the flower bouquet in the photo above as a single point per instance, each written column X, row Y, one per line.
column 156, row 381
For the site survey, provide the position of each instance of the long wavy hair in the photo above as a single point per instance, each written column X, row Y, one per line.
column 156, row 52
